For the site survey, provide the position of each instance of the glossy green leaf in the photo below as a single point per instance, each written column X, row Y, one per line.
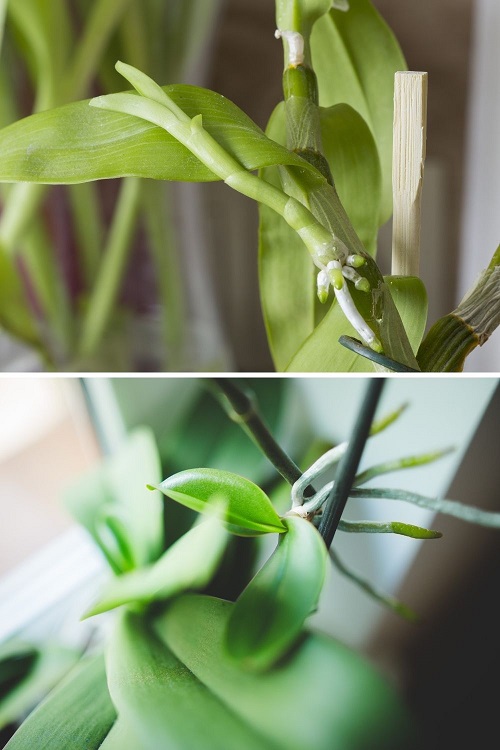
column 27, row 687
column 188, row 564
column 77, row 713
column 78, row 143
column 351, row 152
column 355, row 56
column 322, row 352
column 113, row 499
column 323, row 696
column 247, row 505
column 269, row 615
column 163, row 702
column 286, row 272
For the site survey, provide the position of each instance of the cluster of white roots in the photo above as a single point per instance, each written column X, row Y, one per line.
column 332, row 274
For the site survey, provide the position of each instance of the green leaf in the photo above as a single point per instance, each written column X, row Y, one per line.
column 351, row 152
column 286, row 273
column 322, row 352
column 288, row 290
column 269, row 615
column 247, row 505
column 17, row 660
column 355, row 56
column 163, row 702
column 46, row 39
column 114, row 499
column 78, row 143
column 408, row 462
column 188, row 564
column 49, row 665
column 323, row 696
column 121, row 737
column 77, row 713
column 410, row 297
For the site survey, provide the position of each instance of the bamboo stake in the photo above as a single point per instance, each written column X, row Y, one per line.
column 409, row 141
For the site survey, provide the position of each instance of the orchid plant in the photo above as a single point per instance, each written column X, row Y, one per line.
column 320, row 174
column 182, row 650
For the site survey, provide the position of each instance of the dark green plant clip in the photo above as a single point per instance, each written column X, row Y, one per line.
column 390, row 364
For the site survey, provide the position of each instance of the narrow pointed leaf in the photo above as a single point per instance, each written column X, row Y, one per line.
column 188, row 564
column 247, row 505
column 78, row 713
column 408, row 462
column 78, row 143
column 269, row 615
column 163, row 702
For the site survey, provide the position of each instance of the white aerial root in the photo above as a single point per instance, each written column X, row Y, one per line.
column 335, row 266
column 295, row 46
column 340, row 5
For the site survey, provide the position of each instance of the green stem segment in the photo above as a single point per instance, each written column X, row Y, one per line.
column 303, row 128
column 243, row 410
column 112, row 269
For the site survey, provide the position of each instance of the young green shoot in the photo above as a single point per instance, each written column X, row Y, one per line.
column 329, row 254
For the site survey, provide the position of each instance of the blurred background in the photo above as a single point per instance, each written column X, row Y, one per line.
column 50, row 570
column 236, row 54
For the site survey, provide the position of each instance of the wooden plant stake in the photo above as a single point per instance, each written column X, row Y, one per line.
column 409, row 141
